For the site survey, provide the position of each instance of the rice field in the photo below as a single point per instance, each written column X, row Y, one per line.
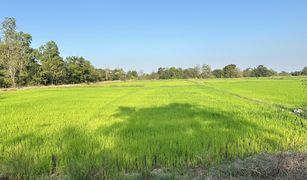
column 107, row 130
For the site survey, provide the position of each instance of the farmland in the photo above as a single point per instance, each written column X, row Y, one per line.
column 103, row 130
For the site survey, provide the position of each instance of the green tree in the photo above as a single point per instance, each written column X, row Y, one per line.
column 79, row 70
column 14, row 49
column 262, row 71
column 206, row 71
column 132, row 75
column 296, row 73
column 3, row 80
column 218, row 73
column 231, row 71
column 197, row 71
column 304, row 71
column 190, row 73
column 29, row 74
column 53, row 71
column 153, row 75
column 174, row 73
column 100, row 74
column 118, row 74
column 163, row 73
column 283, row 73
column 248, row 72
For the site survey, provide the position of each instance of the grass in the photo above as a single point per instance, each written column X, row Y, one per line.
column 103, row 131
column 288, row 92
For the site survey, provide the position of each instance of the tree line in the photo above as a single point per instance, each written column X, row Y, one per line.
column 22, row 65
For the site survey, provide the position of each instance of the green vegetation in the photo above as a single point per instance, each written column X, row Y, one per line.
column 107, row 130
column 287, row 92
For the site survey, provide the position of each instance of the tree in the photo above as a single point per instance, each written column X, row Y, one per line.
column 206, row 71
column 8, row 27
column 118, row 74
column 248, row 72
column 53, row 71
column 153, row 75
column 197, row 71
column 175, row 73
column 262, row 71
column 304, row 71
column 3, row 80
column 142, row 74
column 103, row 74
column 284, row 73
column 29, row 74
column 79, row 70
column 100, row 74
column 218, row 73
column 132, row 75
column 296, row 73
column 14, row 49
column 231, row 71
column 190, row 73
column 163, row 73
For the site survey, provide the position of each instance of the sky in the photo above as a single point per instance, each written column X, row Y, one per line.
column 147, row 34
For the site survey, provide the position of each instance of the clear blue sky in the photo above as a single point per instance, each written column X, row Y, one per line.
column 147, row 34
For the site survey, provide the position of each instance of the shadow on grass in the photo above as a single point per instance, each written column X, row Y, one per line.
column 180, row 135
column 81, row 156
column 170, row 136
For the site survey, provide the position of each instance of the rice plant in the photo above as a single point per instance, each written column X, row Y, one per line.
column 105, row 131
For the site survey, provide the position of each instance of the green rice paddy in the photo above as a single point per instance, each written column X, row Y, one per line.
column 108, row 130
